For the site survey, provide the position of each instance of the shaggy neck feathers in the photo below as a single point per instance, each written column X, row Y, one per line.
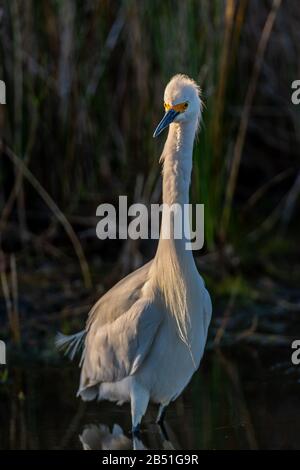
column 173, row 262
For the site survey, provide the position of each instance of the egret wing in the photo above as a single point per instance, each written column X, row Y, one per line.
column 119, row 298
column 117, row 349
column 109, row 307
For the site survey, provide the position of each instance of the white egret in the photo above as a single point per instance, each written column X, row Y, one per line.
column 145, row 337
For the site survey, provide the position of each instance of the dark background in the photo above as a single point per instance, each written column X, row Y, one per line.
column 85, row 84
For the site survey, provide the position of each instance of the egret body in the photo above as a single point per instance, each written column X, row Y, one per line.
column 145, row 337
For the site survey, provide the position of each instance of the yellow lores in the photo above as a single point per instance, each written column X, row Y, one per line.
column 179, row 108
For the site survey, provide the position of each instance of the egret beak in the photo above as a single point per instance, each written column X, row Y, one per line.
column 166, row 121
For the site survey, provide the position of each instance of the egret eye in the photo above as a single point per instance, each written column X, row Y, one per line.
column 185, row 105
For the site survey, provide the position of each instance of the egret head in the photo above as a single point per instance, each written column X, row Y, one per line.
column 182, row 102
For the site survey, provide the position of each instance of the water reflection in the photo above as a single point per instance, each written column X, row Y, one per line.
column 153, row 436
column 235, row 401
column 99, row 437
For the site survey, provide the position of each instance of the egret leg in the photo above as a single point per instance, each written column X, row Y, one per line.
column 136, row 430
column 139, row 402
column 161, row 413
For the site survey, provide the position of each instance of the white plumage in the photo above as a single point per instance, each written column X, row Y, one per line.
column 145, row 337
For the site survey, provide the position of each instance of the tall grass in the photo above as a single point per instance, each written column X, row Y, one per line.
column 85, row 83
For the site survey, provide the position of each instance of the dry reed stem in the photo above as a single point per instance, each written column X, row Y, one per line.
column 15, row 325
column 56, row 211
column 6, row 294
column 239, row 145
column 226, row 317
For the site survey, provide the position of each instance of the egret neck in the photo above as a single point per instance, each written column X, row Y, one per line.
column 174, row 267
column 177, row 158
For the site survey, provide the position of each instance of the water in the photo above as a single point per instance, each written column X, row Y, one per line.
column 242, row 399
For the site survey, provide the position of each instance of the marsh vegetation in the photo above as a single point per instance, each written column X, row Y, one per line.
column 84, row 82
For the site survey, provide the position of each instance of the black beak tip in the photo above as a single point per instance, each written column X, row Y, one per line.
column 165, row 122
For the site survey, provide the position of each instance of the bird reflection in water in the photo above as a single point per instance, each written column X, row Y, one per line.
column 101, row 437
